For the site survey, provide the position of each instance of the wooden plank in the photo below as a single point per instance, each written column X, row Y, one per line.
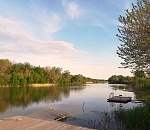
column 43, row 120
column 28, row 123
column 57, row 113
column 58, row 126
column 41, row 116
column 15, row 124
column 11, row 120
column 49, row 114
column 71, row 127
column 43, row 126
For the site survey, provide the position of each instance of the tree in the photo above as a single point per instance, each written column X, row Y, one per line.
column 78, row 79
column 66, row 77
column 135, row 35
column 53, row 74
column 119, row 79
column 14, row 80
column 5, row 66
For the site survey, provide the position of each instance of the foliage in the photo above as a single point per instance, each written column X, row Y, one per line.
column 23, row 74
column 134, row 32
column 78, row 79
column 137, row 118
column 138, row 82
column 119, row 79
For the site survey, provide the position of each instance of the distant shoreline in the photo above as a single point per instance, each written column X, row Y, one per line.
column 42, row 85
column 32, row 85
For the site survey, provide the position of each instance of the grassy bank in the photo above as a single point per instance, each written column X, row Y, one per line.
column 142, row 93
column 137, row 118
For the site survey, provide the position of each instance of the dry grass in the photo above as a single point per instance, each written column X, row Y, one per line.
column 42, row 85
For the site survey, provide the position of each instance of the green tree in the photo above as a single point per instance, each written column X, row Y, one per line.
column 36, row 77
column 134, row 33
column 14, row 80
column 39, row 75
column 54, row 74
column 30, row 79
column 2, row 82
column 66, row 77
column 119, row 79
column 78, row 79
column 139, row 79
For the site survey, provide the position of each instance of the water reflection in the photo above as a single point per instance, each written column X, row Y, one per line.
column 120, row 87
column 25, row 96
column 81, row 102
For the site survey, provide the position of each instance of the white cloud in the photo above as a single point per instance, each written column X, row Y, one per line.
column 21, row 44
column 8, row 24
column 6, row 21
column 37, row 20
column 50, row 22
column 73, row 10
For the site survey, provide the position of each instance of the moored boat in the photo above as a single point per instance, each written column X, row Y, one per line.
column 119, row 98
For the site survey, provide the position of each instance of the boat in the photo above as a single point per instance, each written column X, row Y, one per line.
column 119, row 99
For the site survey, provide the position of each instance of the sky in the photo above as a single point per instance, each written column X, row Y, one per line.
column 75, row 35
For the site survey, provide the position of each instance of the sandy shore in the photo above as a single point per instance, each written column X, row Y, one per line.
column 42, row 85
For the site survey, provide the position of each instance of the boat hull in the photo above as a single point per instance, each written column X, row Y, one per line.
column 119, row 99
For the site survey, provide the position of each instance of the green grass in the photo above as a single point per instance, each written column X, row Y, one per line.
column 137, row 118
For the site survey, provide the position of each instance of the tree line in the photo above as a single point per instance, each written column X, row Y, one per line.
column 140, row 79
column 22, row 74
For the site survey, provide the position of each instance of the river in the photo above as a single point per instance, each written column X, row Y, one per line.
column 77, row 101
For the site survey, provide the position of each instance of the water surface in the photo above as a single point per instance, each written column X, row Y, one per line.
column 77, row 101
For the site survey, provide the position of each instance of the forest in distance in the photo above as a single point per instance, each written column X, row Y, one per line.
column 139, row 80
column 24, row 74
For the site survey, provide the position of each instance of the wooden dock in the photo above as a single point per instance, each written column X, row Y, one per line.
column 45, row 120
column 50, row 114
column 119, row 99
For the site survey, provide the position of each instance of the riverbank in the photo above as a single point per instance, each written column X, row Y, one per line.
column 49, row 84
column 42, row 85
column 142, row 93
column 137, row 118
column 32, row 85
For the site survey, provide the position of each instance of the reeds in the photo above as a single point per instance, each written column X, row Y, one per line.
column 137, row 118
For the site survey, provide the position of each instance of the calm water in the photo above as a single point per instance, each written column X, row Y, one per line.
column 77, row 101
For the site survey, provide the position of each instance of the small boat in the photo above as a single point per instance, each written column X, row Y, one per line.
column 119, row 99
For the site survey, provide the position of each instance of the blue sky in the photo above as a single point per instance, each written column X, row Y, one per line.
column 76, row 35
